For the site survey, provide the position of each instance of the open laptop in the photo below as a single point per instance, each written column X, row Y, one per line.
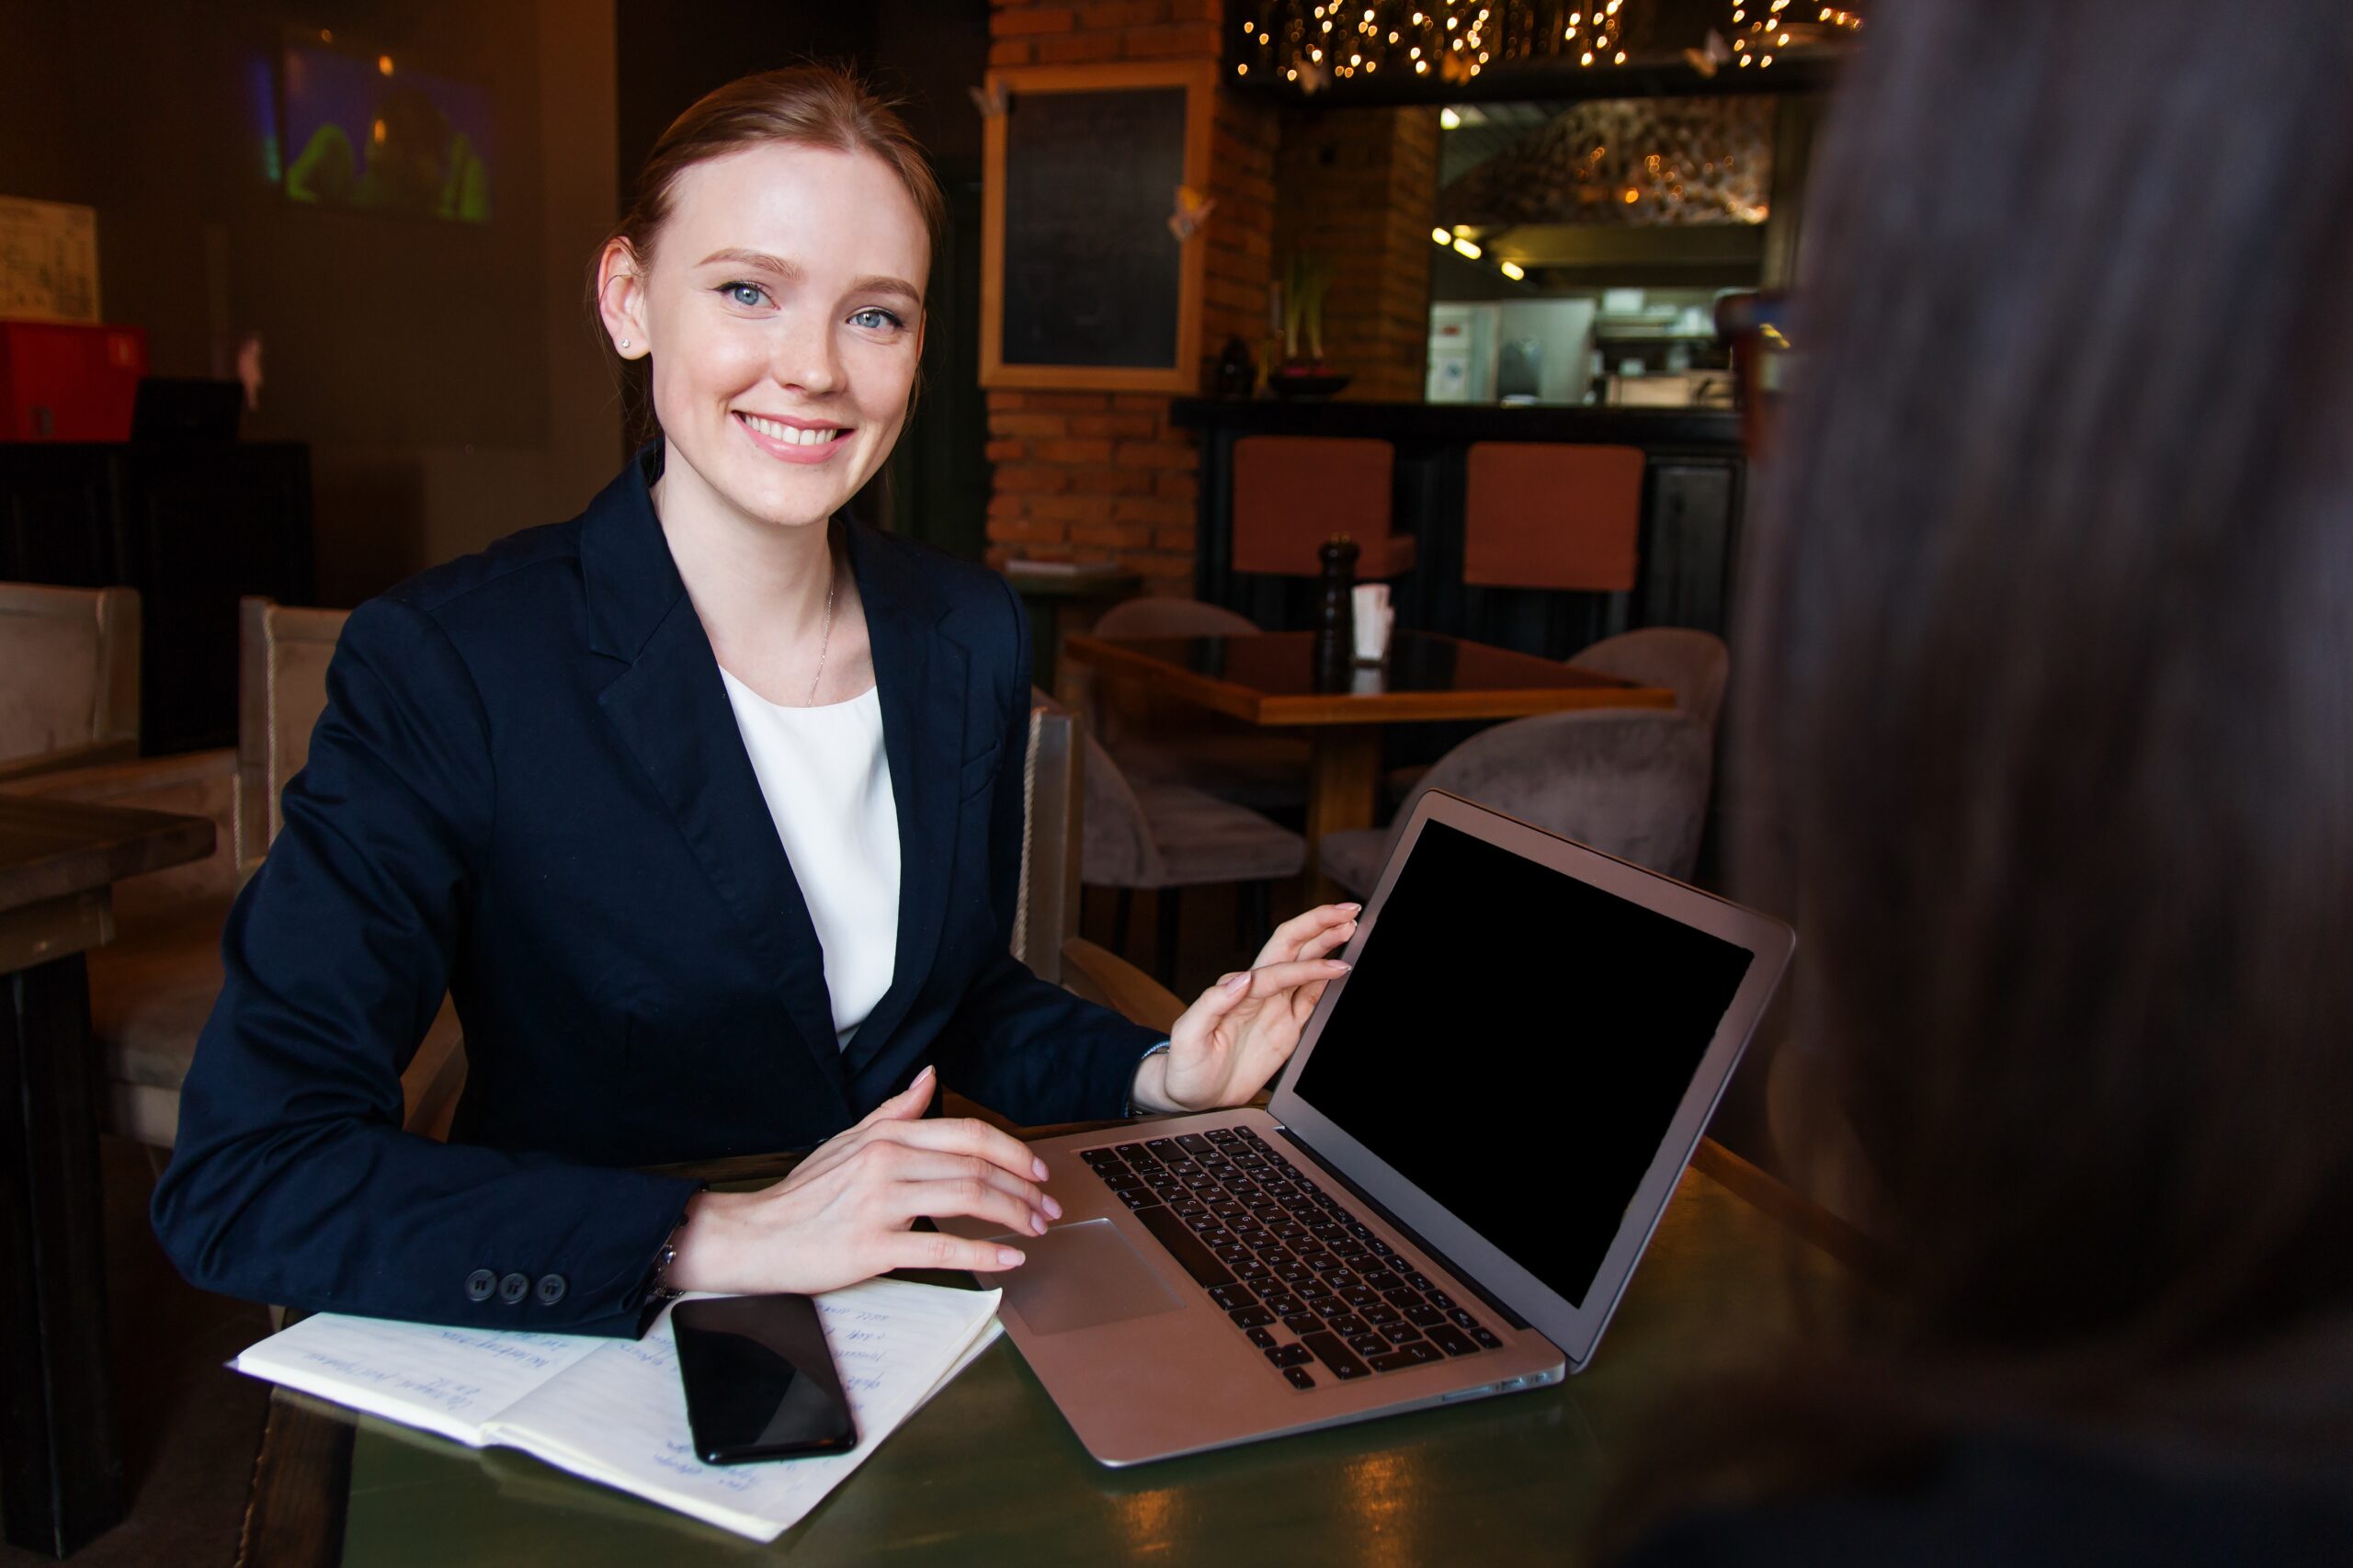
column 1458, row 1172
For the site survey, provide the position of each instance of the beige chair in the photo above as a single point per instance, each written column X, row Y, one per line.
column 71, row 695
column 283, row 653
column 152, row 987
column 1166, row 837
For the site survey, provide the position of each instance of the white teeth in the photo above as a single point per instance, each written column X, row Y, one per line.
column 788, row 433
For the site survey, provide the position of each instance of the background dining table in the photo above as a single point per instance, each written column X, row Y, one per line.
column 1275, row 679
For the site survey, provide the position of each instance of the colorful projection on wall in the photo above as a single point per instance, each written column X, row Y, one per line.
column 368, row 131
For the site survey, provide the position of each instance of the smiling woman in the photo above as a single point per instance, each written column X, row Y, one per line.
column 704, row 808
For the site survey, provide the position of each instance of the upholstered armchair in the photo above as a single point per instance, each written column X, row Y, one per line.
column 1630, row 783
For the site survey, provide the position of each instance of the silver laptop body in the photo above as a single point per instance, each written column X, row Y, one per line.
column 1530, row 1095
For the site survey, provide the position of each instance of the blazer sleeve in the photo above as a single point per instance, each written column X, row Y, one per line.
column 291, row 1180
column 1018, row 1044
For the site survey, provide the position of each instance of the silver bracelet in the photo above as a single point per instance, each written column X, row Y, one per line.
column 658, row 1287
column 1160, row 1049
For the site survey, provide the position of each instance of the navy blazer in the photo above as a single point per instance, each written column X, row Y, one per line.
column 529, row 790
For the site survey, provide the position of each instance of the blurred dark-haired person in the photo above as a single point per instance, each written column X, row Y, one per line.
column 2054, row 593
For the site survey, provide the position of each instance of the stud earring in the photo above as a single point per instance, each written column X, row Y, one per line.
column 624, row 343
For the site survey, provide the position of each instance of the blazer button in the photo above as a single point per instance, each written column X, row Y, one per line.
column 479, row 1284
column 550, row 1290
column 512, row 1289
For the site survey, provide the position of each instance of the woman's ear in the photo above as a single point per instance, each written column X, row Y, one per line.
column 621, row 300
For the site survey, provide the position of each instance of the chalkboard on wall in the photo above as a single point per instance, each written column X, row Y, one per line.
column 1085, row 284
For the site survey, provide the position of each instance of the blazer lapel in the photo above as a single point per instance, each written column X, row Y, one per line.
column 671, row 709
column 920, row 675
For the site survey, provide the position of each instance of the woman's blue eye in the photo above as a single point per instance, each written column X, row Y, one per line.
column 877, row 317
column 751, row 296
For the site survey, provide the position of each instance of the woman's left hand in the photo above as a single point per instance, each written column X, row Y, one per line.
column 1243, row 1028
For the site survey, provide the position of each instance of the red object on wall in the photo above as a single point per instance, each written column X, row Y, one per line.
column 66, row 381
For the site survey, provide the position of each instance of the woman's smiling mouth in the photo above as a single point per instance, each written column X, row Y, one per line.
column 793, row 442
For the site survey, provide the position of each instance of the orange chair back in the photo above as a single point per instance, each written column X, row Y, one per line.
column 1293, row 492
column 1545, row 515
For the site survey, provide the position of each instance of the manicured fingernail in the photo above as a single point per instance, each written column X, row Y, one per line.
column 1350, row 908
column 1236, row 983
column 1008, row 1257
column 1038, row 1169
column 927, row 1075
column 1336, row 964
column 1036, row 1224
column 1053, row 1208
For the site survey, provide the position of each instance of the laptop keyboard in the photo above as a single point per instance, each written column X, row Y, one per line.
column 1310, row 1283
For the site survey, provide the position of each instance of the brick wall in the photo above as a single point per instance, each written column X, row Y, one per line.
column 1359, row 188
column 1093, row 476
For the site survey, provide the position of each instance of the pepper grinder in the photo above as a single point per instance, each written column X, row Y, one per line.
column 1335, row 635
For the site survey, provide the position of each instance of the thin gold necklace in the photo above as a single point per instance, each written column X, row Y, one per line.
column 832, row 579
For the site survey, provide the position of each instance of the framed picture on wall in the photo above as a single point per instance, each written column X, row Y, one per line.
column 1090, row 274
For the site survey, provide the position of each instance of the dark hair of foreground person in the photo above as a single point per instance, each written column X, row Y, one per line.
column 2049, row 648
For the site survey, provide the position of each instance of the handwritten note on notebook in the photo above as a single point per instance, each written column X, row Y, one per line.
column 613, row 1410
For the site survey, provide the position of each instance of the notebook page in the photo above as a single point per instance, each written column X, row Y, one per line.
column 620, row 1418
column 449, row 1380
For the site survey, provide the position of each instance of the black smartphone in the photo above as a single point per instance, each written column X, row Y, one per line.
column 760, row 1381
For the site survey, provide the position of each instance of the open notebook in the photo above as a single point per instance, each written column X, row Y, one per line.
column 613, row 1410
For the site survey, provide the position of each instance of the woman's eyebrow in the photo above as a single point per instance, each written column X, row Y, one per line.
column 876, row 283
column 879, row 284
column 759, row 259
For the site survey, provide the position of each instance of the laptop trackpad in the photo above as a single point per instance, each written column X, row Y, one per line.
column 1083, row 1275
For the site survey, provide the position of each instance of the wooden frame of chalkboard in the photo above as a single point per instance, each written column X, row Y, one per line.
column 1083, row 285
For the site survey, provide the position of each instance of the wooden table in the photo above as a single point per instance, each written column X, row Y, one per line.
column 988, row 1472
column 60, row 1462
column 1272, row 679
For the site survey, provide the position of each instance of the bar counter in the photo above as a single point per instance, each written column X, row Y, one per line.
column 1693, row 494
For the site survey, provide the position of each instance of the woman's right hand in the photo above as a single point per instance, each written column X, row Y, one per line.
column 843, row 1214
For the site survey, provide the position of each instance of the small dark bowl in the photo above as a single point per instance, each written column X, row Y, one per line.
column 1306, row 385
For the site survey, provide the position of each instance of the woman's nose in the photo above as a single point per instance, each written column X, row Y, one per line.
column 805, row 358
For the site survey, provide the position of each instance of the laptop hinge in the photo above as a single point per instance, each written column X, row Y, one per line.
column 1402, row 1229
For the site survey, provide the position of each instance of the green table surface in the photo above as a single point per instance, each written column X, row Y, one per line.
column 987, row 1472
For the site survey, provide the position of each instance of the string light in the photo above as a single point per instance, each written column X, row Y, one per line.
column 1329, row 43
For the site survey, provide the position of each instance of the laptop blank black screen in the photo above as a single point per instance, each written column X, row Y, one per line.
column 1514, row 1041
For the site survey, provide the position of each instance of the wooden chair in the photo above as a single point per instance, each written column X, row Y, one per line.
column 1045, row 912
column 71, row 699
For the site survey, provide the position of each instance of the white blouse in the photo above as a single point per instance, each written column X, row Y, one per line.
column 823, row 773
